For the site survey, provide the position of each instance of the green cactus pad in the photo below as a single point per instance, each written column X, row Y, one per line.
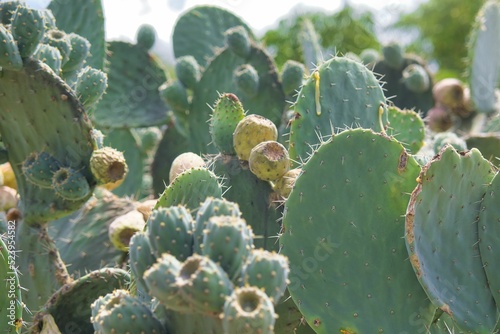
column 246, row 79
column 7, row 9
column 254, row 197
column 132, row 99
column 250, row 131
column 292, row 75
column 416, row 78
column 442, row 237
column 238, row 41
column 58, row 125
column 407, row 127
column 190, row 188
column 121, row 312
column 80, row 234
column 108, row 165
column 85, row 18
column 343, row 235
column 39, row 168
column 227, row 240
column 11, row 305
column 369, row 56
column 393, row 55
column 80, row 50
column 170, row 230
column 9, row 53
column 141, row 259
column 174, row 94
column 489, row 236
column 188, row 71
column 227, row 113
column 49, row 55
column 268, row 271
column 146, row 36
column 27, row 28
column 70, row 184
column 70, row 306
column 211, row 206
column 340, row 94
column 248, row 310
column 484, row 52
column 269, row 160
column 268, row 101
column 201, row 30
column 90, row 86
column 58, row 39
column 488, row 144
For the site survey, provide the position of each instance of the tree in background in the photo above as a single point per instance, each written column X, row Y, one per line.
column 348, row 30
column 444, row 25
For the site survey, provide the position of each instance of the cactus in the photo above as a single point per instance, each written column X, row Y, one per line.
column 188, row 71
column 227, row 113
column 27, row 27
column 292, row 76
column 146, row 36
column 49, row 55
column 334, row 239
column 70, row 184
column 269, row 160
column 407, row 127
column 238, row 40
column 108, row 165
column 441, row 207
column 59, row 40
column 141, row 259
column 39, row 168
column 9, row 53
column 246, row 79
column 90, row 86
column 250, row 131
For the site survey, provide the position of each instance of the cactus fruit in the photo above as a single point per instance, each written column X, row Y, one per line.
column 90, row 86
column 188, row 71
column 248, row 310
column 175, row 95
column 450, row 269
column 50, row 56
column 119, row 312
column 393, row 55
column 246, row 79
column 268, row 271
column 9, row 53
column 227, row 240
column 123, row 228
column 449, row 93
column 39, row 168
column 183, row 162
column 226, row 114
column 27, row 29
column 250, row 131
column 439, row 119
column 141, row 259
column 59, row 40
column 170, row 230
column 238, row 41
column 108, row 165
column 146, row 36
column 416, row 79
column 283, row 186
column 70, row 184
column 292, row 76
column 8, row 198
column 269, row 160
column 80, row 49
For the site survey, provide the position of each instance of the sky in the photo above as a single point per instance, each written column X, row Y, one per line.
column 123, row 17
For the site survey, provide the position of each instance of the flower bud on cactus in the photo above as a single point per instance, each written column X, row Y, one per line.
column 90, row 86
column 123, row 228
column 27, row 29
column 9, row 53
column 292, row 76
column 268, row 271
column 227, row 113
column 80, row 49
column 146, row 36
column 175, row 95
column 108, row 165
column 393, row 55
column 250, row 131
column 170, row 230
column 59, row 40
column 70, row 184
column 39, row 168
column 50, row 56
column 184, row 162
column 119, row 312
column 238, row 41
column 416, row 78
column 228, row 241
column 246, row 79
column 204, row 285
column 269, row 160
column 248, row 310
column 284, row 185
column 188, row 71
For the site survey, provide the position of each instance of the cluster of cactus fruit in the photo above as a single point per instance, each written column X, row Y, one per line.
column 352, row 210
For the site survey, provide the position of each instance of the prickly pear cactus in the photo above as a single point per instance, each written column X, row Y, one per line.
column 407, row 127
column 442, row 237
column 336, row 228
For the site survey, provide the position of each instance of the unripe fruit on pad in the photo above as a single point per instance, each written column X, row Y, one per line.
column 184, row 162
column 250, row 131
column 269, row 160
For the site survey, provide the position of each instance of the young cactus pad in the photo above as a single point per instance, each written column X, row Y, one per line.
column 341, row 93
column 226, row 114
column 343, row 236
column 442, row 237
